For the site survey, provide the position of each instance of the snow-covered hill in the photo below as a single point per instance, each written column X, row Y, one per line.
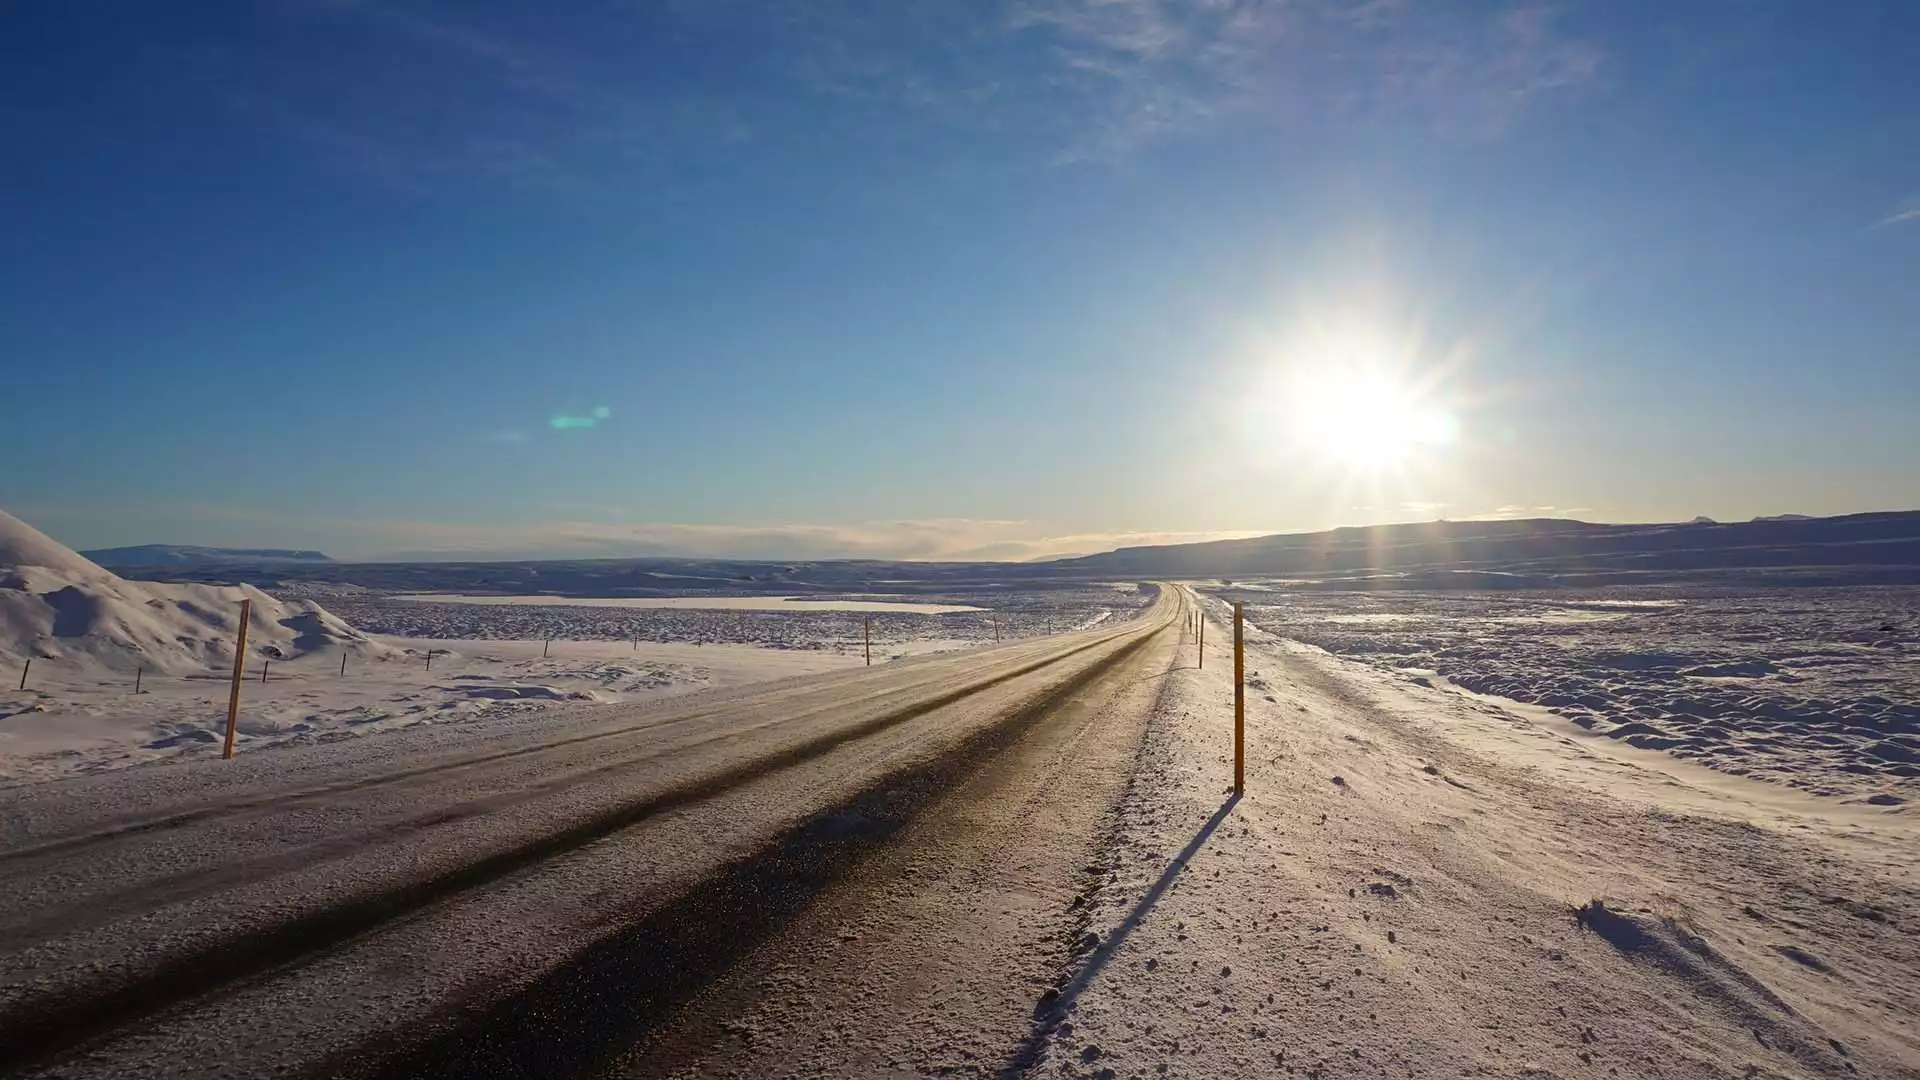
column 190, row 555
column 56, row 605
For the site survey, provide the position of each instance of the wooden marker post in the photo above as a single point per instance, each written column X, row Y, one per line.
column 239, row 667
column 545, row 647
column 869, row 641
column 429, row 659
column 995, row 616
column 343, row 662
column 136, row 679
column 24, row 668
column 1203, row 641
column 1239, row 705
column 263, row 671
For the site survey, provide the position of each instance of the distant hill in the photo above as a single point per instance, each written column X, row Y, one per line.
column 189, row 555
column 1880, row 547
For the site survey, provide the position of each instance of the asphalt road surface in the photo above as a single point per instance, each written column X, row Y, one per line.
column 596, row 895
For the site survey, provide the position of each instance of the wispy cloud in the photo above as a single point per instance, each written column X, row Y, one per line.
column 562, row 537
column 422, row 92
column 1508, row 513
column 1150, row 68
column 955, row 539
column 1907, row 212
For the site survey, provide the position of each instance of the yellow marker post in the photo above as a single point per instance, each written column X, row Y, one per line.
column 239, row 665
column 1239, row 705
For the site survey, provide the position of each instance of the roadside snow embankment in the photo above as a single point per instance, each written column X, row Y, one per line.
column 1396, row 895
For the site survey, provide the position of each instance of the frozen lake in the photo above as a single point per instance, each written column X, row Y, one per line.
column 725, row 603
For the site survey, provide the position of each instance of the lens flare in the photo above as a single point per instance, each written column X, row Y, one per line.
column 565, row 422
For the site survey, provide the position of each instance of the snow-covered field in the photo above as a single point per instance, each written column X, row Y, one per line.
column 1816, row 688
column 76, row 721
column 1396, row 894
column 765, row 622
column 81, row 639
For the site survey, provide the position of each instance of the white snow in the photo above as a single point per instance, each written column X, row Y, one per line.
column 90, row 634
column 79, row 720
column 714, row 603
column 1394, row 896
column 58, row 609
column 1818, row 689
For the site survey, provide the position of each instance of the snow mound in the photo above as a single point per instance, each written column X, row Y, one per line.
column 22, row 545
column 519, row 693
column 56, row 605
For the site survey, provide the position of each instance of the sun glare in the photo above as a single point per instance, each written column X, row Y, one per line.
column 1368, row 421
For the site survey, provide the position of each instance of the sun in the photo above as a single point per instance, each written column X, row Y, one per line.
column 1367, row 420
column 1371, row 403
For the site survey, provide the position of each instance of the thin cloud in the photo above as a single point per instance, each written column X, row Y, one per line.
column 427, row 91
column 941, row 540
column 1164, row 68
column 1510, row 513
column 562, row 537
column 1907, row 211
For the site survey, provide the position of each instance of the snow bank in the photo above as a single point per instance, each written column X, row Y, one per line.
column 57, row 606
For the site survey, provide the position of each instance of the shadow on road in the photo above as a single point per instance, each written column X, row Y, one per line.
column 1048, row 1014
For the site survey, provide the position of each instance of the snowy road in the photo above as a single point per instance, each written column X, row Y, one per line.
column 1011, row 862
column 426, row 903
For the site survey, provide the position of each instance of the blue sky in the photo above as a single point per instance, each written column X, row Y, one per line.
column 992, row 278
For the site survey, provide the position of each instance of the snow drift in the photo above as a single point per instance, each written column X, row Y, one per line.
column 56, row 605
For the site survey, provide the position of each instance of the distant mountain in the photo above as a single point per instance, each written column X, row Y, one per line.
column 1882, row 547
column 1786, row 517
column 189, row 555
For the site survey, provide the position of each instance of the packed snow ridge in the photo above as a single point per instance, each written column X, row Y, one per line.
column 56, row 605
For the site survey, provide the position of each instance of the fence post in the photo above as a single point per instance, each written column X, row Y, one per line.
column 239, row 668
column 1239, row 704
